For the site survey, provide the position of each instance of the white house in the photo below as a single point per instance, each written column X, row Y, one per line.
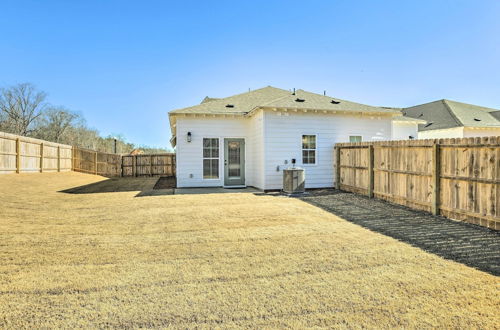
column 247, row 139
column 451, row 119
column 405, row 128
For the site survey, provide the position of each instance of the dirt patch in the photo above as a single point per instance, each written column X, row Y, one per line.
column 165, row 182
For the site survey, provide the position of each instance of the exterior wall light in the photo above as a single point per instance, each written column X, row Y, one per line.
column 188, row 138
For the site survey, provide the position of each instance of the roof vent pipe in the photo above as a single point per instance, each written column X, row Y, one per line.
column 324, row 93
column 293, row 91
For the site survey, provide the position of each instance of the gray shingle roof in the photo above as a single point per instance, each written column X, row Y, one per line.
column 276, row 98
column 208, row 99
column 448, row 114
column 242, row 103
column 307, row 100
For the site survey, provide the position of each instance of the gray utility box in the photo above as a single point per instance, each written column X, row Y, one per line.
column 294, row 180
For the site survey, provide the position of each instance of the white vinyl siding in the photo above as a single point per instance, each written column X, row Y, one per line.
column 403, row 130
column 282, row 141
column 481, row 132
column 459, row 132
column 455, row 132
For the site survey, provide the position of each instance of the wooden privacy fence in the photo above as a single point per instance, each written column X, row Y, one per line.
column 458, row 178
column 148, row 165
column 95, row 162
column 20, row 154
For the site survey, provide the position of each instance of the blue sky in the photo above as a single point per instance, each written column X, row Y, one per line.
column 125, row 64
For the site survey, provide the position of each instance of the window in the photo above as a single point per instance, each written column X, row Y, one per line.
column 210, row 158
column 355, row 138
column 308, row 149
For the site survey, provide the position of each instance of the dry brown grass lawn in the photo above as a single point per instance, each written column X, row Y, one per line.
column 227, row 260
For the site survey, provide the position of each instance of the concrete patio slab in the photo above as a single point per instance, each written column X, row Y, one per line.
column 214, row 190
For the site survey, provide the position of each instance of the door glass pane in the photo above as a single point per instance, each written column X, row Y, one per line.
column 206, row 153
column 233, row 159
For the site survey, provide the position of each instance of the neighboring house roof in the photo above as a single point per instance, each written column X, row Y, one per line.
column 448, row 114
column 137, row 152
column 271, row 97
column 496, row 114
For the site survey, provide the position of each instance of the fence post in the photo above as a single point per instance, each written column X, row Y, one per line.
column 436, row 176
column 174, row 162
column 337, row 167
column 41, row 157
column 134, row 165
column 371, row 175
column 151, row 165
column 18, row 156
column 58, row 159
column 95, row 163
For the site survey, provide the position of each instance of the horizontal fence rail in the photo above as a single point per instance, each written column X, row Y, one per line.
column 457, row 178
column 20, row 154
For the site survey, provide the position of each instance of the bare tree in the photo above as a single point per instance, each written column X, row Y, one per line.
column 23, row 111
column 21, row 105
column 54, row 123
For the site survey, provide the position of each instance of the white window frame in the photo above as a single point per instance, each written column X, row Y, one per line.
column 212, row 158
column 315, row 150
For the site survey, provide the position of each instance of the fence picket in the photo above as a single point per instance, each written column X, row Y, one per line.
column 458, row 178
